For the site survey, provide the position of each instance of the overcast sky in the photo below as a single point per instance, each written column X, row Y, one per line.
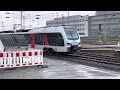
column 30, row 18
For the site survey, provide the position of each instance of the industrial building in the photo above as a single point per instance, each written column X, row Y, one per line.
column 104, row 24
column 106, row 12
column 77, row 21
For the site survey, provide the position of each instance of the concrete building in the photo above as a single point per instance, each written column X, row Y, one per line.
column 108, row 23
column 106, row 12
column 77, row 21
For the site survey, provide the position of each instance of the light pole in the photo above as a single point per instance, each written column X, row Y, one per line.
column 62, row 19
column 2, row 26
column 68, row 18
column 29, row 21
column 24, row 22
column 105, row 27
column 14, row 24
column 100, row 32
column 57, row 19
column 21, row 19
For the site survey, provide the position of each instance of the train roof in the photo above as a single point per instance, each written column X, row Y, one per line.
column 40, row 30
column 49, row 29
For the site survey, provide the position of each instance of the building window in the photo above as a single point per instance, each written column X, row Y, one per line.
column 82, row 33
column 82, row 20
column 81, row 29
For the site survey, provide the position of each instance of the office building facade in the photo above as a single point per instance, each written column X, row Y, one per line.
column 106, row 12
column 105, row 25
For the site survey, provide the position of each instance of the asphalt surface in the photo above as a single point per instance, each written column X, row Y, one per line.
column 58, row 69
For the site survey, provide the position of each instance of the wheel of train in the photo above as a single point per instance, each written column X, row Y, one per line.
column 51, row 51
column 45, row 50
column 74, row 49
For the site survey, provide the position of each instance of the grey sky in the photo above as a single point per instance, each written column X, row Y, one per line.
column 31, row 15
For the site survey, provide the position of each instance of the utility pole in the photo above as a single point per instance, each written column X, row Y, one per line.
column 30, row 24
column 2, row 26
column 57, row 19
column 14, row 24
column 105, row 28
column 24, row 22
column 62, row 19
column 100, row 32
column 68, row 18
column 21, row 19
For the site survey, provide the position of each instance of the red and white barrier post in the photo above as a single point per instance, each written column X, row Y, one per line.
column 21, row 58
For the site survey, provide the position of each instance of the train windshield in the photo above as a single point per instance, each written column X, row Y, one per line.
column 71, row 34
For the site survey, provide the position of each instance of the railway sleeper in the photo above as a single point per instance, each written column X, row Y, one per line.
column 115, row 61
column 109, row 62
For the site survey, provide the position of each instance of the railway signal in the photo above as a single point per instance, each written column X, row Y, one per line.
column 100, row 29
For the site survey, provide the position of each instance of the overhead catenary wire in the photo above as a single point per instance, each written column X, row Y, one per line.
column 30, row 16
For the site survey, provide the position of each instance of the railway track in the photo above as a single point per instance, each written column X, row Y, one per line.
column 93, row 59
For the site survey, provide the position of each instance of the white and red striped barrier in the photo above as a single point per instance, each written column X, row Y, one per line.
column 21, row 58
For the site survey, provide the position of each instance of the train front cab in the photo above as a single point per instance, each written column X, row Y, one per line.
column 72, row 40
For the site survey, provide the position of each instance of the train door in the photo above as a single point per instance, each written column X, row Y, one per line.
column 32, row 40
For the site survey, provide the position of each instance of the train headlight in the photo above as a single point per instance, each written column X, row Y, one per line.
column 69, row 44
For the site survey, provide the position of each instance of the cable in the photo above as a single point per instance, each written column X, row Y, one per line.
column 42, row 17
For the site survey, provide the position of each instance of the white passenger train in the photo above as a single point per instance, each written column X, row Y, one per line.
column 63, row 39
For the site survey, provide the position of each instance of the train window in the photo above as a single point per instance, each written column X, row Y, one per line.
column 71, row 34
column 55, row 39
column 39, row 39
column 27, row 37
column 51, row 38
column 59, row 40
